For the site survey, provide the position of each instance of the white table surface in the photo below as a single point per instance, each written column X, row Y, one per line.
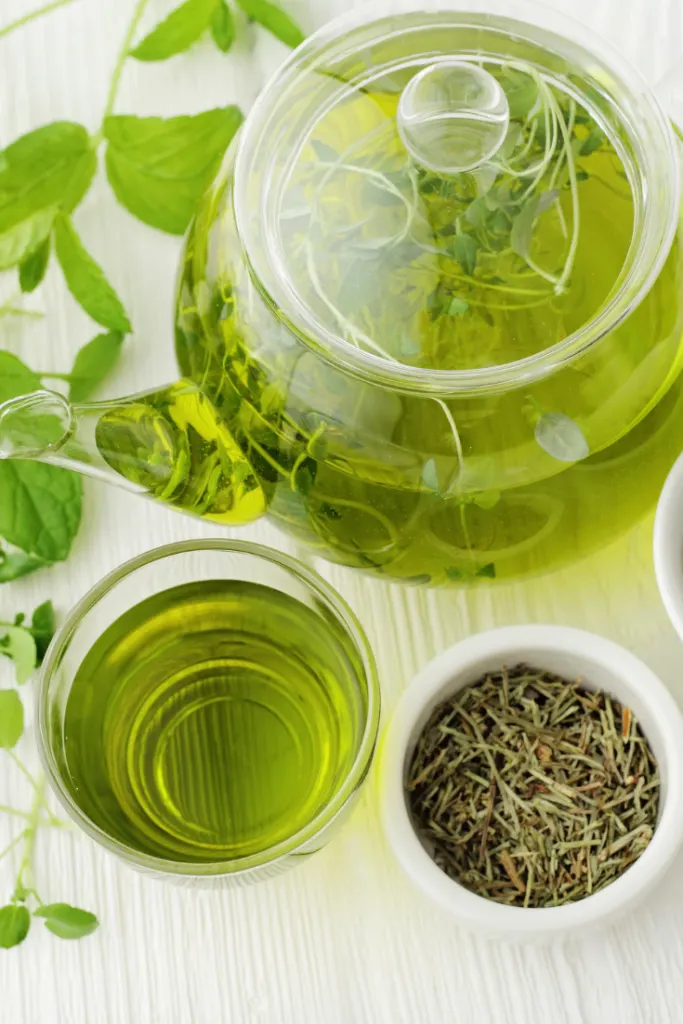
column 344, row 939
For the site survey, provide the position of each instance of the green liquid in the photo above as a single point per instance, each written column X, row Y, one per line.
column 469, row 486
column 212, row 722
column 463, row 271
column 173, row 445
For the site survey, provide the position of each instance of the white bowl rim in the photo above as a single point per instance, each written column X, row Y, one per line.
column 478, row 912
column 668, row 545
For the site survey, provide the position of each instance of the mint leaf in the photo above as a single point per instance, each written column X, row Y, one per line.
column 18, row 644
column 18, row 564
column 488, row 571
column 177, row 32
column 464, row 249
column 86, row 280
column 522, row 226
column 42, row 628
column 561, row 437
column 51, row 166
column 275, row 19
column 32, row 268
column 223, row 26
column 67, row 922
column 159, row 168
column 477, row 213
column 593, row 142
column 40, row 508
column 92, row 364
column 522, row 94
column 11, row 719
column 24, row 238
column 14, row 925
column 15, row 378
column 430, row 476
column 458, row 307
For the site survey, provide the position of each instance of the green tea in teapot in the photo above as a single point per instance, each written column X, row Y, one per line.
column 174, row 447
column 470, row 269
column 429, row 318
column 369, row 446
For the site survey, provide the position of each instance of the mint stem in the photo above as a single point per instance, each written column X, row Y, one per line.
column 13, row 811
column 15, row 842
column 35, row 783
column 17, row 311
column 118, row 70
column 33, row 15
column 30, row 833
column 55, row 376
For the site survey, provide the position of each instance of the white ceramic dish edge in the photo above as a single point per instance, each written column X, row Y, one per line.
column 571, row 652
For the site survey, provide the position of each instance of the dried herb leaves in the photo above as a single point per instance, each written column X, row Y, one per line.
column 531, row 790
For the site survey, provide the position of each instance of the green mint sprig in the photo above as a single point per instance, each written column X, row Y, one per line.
column 25, row 644
column 158, row 168
column 189, row 22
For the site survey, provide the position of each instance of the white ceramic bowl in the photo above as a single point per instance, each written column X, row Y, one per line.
column 570, row 652
column 668, row 545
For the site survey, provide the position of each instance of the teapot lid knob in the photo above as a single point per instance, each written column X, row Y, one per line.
column 453, row 116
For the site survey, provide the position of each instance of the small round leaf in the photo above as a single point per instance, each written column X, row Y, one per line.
column 11, row 719
column 561, row 437
column 430, row 476
column 67, row 922
column 15, row 922
column 18, row 644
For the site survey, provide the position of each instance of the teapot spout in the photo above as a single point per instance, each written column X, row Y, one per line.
column 171, row 445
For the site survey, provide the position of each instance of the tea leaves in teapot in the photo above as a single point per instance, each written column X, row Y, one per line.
column 464, row 249
column 159, row 167
column 495, row 261
column 561, row 437
column 521, row 234
column 177, row 32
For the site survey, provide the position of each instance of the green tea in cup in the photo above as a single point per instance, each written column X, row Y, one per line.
column 208, row 709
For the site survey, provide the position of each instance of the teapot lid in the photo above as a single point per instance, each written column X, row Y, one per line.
column 454, row 191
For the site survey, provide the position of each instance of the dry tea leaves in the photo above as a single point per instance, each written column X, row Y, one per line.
column 530, row 790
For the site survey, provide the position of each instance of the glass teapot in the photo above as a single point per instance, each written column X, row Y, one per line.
column 429, row 314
